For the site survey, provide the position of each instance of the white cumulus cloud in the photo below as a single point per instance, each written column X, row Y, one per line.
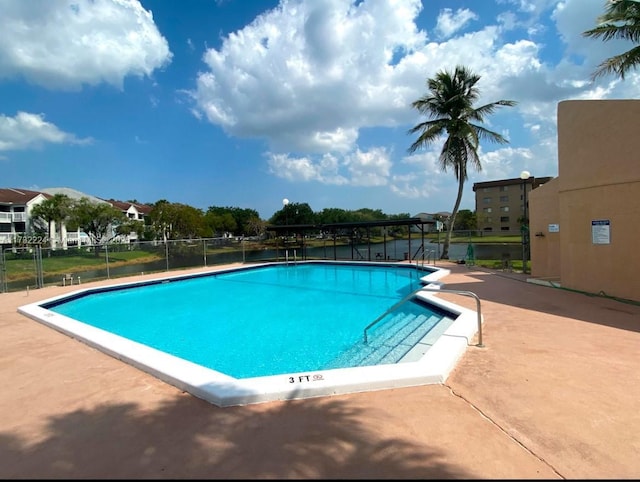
column 63, row 44
column 26, row 130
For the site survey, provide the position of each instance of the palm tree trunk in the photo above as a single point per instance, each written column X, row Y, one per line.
column 452, row 219
column 52, row 234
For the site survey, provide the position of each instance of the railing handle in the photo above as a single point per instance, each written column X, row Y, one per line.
column 464, row 293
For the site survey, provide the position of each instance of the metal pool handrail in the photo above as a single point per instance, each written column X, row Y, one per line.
column 464, row 293
column 434, row 290
column 402, row 301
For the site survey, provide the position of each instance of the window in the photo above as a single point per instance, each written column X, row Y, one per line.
column 504, row 228
column 486, row 200
column 486, row 210
column 488, row 220
column 504, row 219
column 504, row 199
column 486, row 189
column 504, row 209
column 504, row 188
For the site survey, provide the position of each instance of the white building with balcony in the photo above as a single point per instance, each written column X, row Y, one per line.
column 15, row 215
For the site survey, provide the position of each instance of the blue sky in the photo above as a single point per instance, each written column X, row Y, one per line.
column 244, row 103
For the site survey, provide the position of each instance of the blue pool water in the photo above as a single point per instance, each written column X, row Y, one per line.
column 259, row 321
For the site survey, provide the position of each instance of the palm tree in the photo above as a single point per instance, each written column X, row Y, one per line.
column 621, row 20
column 450, row 108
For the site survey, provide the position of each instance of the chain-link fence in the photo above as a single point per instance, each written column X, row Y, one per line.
column 23, row 268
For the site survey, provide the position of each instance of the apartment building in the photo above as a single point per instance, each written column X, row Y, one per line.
column 15, row 208
column 16, row 223
column 134, row 212
column 500, row 204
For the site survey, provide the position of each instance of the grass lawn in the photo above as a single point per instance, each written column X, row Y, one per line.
column 24, row 267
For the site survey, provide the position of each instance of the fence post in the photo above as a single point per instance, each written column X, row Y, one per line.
column 166, row 252
column 106, row 257
column 204, row 251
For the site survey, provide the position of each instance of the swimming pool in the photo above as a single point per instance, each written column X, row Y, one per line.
column 194, row 340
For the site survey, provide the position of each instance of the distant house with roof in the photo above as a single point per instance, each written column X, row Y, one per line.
column 15, row 213
column 17, row 224
column 60, row 237
column 133, row 211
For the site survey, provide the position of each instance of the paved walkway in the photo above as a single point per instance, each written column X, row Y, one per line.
column 553, row 394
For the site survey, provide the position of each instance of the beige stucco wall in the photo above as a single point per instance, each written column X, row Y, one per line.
column 544, row 211
column 598, row 179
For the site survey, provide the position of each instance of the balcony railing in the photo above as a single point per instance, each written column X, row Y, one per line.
column 13, row 217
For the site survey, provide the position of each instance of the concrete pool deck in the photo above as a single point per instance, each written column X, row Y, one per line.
column 552, row 394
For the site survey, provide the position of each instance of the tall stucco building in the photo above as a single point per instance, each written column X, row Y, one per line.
column 584, row 224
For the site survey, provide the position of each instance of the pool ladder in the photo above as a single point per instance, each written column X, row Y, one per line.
column 286, row 256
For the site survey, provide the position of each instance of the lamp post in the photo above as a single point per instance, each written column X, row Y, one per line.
column 524, row 175
column 285, row 203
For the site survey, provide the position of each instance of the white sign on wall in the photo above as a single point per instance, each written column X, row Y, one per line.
column 601, row 231
column 554, row 228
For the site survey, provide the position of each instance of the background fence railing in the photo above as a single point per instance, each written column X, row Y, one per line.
column 36, row 266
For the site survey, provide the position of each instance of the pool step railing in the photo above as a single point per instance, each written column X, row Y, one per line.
column 394, row 339
column 393, row 309
column 397, row 340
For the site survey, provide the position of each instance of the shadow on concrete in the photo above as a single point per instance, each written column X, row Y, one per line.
column 189, row 438
column 513, row 290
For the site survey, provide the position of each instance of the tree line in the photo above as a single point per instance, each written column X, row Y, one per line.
column 167, row 220
column 164, row 220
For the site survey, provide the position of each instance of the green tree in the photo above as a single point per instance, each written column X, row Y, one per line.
column 333, row 215
column 465, row 220
column 56, row 209
column 100, row 221
column 220, row 221
column 177, row 221
column 294, row 213
column 161, row 217
column 449, row 105
column 255, row 226
column 188, row 222
column 621, row 20
column 235, row 220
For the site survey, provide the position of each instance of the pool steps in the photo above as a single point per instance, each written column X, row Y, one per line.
column 405, row 337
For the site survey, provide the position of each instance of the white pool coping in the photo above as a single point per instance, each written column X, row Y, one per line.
column 431, row 367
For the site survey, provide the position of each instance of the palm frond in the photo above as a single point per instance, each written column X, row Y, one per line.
column 618, row 64
column 430, row 131
column 489, row 135
column 621, row 20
